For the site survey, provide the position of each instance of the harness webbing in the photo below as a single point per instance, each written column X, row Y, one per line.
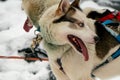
column 109, row 59
column 113, row 33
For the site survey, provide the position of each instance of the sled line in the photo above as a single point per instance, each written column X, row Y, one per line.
column 17, row 57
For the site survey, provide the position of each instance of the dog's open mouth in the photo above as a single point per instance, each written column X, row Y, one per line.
column 79, row 45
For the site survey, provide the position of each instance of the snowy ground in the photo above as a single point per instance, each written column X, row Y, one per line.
column 13, row 38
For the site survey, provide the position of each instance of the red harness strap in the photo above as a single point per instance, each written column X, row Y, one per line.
column 110, row 16
column 118, row 16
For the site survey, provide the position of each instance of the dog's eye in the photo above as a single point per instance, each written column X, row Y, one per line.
column 81, row 24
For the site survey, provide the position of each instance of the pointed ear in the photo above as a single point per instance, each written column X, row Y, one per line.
column 63, row 7
column 75, row 4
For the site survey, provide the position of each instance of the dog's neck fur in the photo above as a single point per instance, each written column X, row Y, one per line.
column 106, row 43
column 52, row 48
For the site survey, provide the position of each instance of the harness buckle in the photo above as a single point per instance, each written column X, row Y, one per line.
column 115, row 12
column 110, row 59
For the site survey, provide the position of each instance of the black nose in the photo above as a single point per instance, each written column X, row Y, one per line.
column 96, row 38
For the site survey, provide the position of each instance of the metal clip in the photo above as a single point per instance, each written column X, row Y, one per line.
column 36, row 41
column 115, row 12
column 110, row 59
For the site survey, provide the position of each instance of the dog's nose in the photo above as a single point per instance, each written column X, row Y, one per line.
column 96, row 38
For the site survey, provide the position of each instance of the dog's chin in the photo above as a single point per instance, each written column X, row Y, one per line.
column 79, row 45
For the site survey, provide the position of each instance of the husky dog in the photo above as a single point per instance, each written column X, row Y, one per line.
column 67, row 34
column 67, row 37
column 106, row 46
column 68, row 41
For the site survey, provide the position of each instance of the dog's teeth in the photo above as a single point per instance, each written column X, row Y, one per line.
column 74, row 39
column 81, row 49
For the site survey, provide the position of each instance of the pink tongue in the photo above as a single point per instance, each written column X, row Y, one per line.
column 84, row 51
column 27, row 25
column 85, row 54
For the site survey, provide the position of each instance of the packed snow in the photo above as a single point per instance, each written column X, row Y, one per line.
column 14, row 38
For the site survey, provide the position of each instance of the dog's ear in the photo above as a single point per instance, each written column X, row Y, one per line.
column 63, row 7
column 75, row 4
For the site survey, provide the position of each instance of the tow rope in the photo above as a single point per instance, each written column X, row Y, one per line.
column 31, row 54
column 18, row 57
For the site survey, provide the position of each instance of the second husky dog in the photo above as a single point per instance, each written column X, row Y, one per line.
column 34, row 9
column 106, row 46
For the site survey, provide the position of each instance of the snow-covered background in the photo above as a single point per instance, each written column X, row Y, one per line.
column 13, row 38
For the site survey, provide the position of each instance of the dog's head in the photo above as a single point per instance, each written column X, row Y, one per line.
column 67, row 24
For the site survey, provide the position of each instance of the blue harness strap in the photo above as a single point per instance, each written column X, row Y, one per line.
column 116, row 54
column 113, row 33
column 108, row 60
column 118, row 38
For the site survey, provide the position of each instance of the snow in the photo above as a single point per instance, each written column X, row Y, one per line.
column 109, row 2
column 92, row 4
column 13, row 38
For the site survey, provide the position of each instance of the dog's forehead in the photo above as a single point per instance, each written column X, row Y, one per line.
column 72, row 15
